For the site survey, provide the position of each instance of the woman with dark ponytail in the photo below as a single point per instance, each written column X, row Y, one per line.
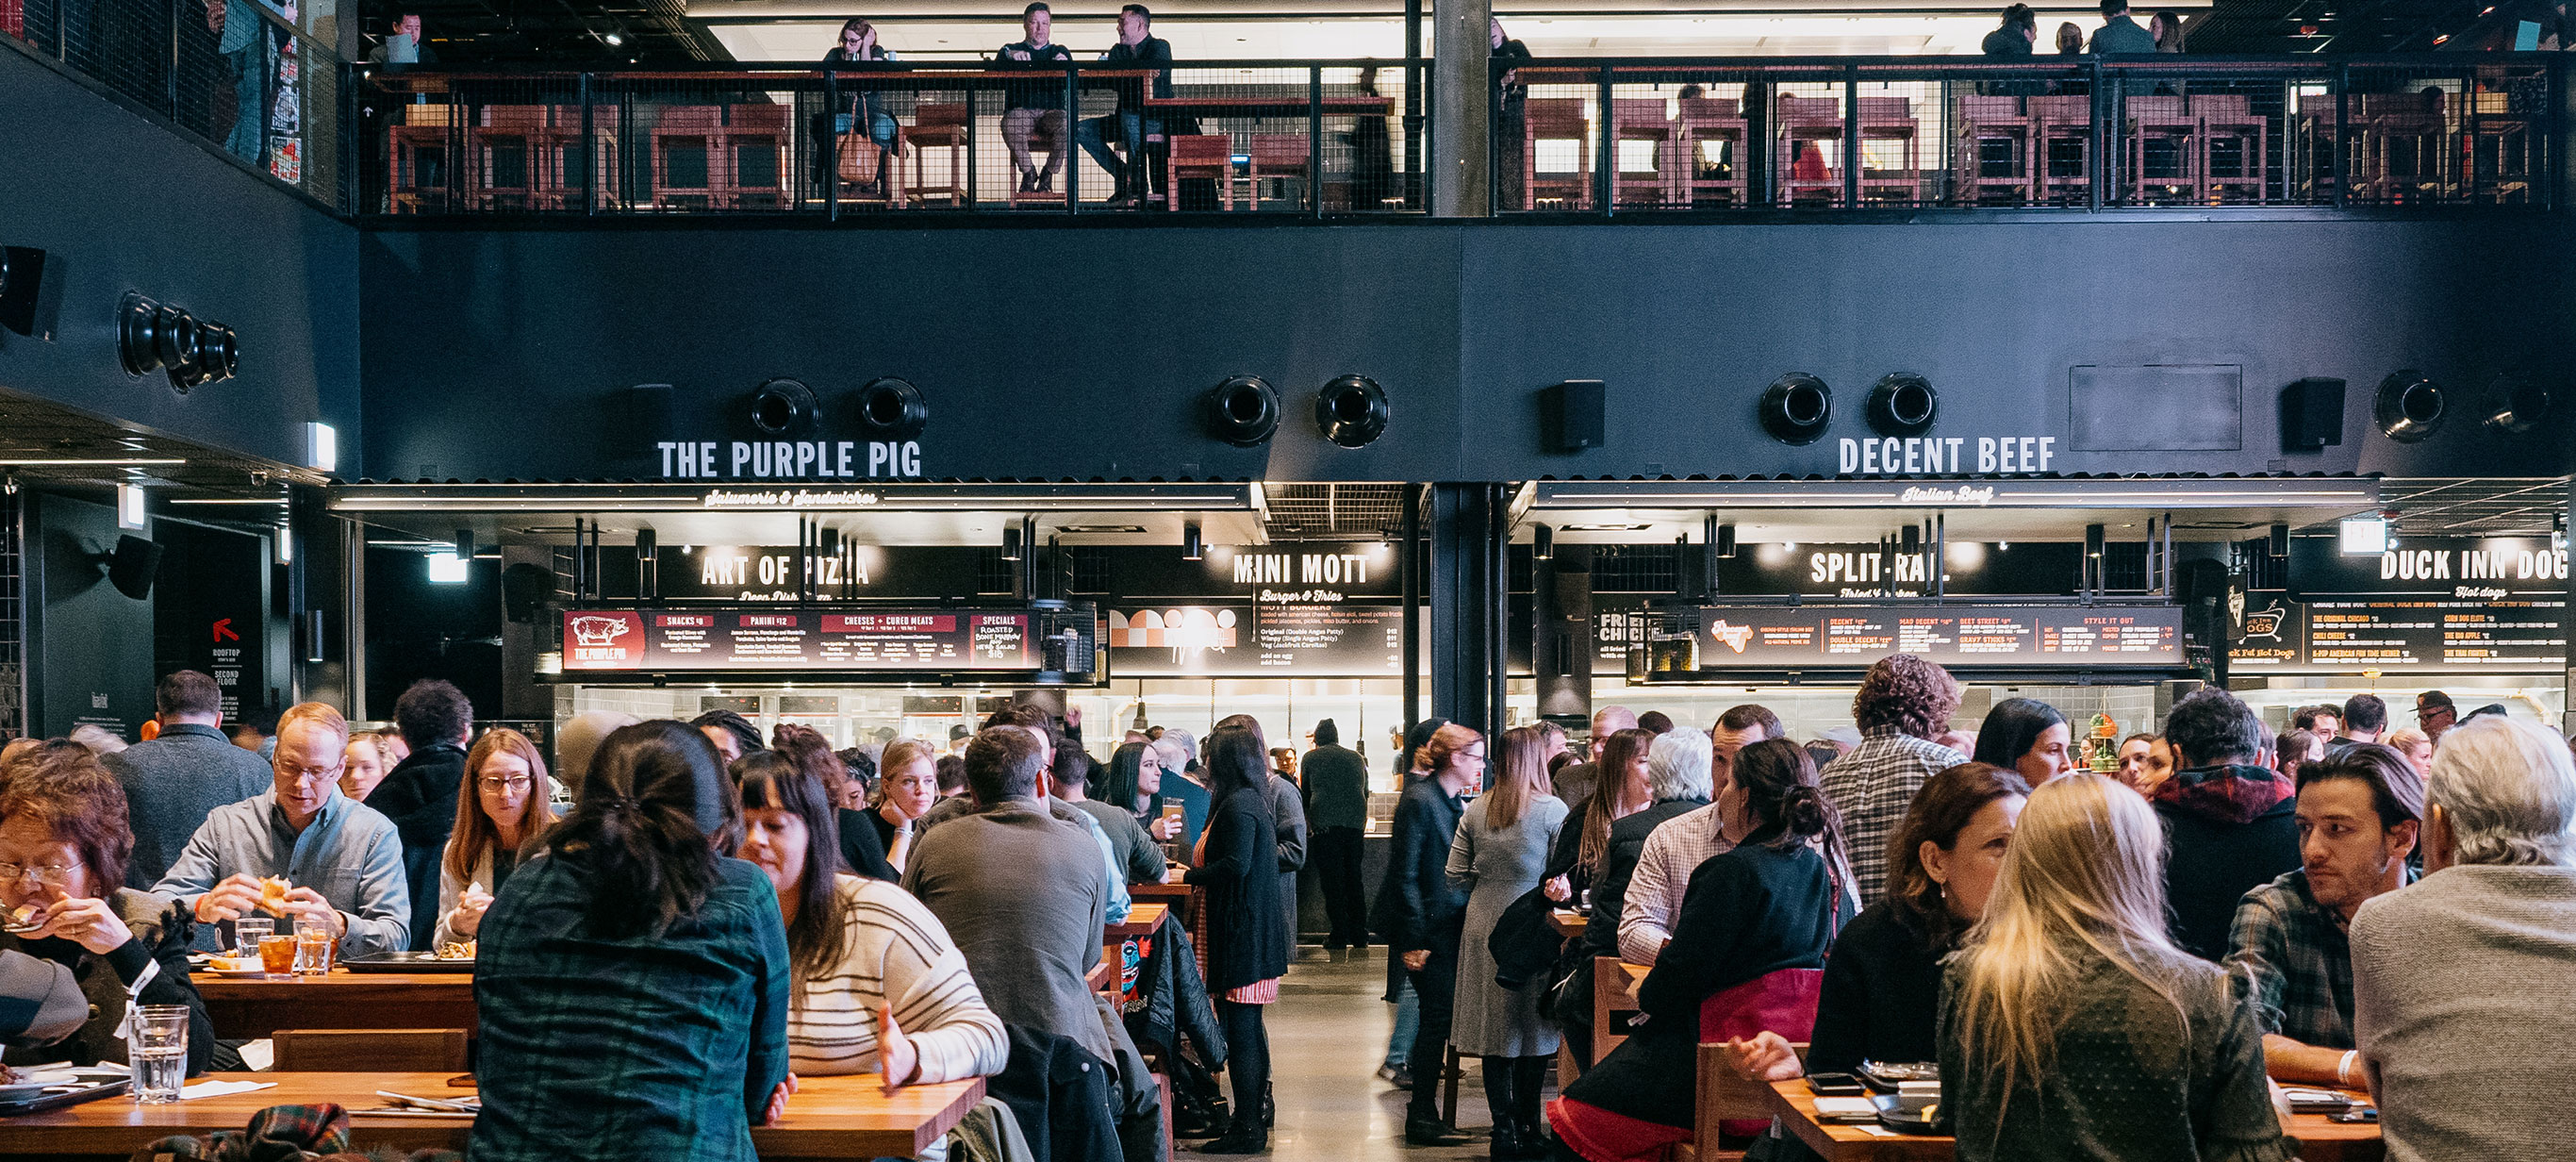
column 1747, row 954
column 633, row 985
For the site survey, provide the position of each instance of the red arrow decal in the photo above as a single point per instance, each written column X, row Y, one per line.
column 224, row 631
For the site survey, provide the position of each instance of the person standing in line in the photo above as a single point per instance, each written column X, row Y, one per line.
column 1034, row 108
column 2365, row 719
column 1336, row 792
column 2460, row 982
column 2027, row 736
column 178, row 778
column 1420, row 915
column 1247, row 940
column 2232, row 823
column 2072, row 1026
column 2435, row 715
column 1574, row 784
column 1498, row 856
column 1397, row 1069
column 1653, row 901
column 1903, row 704
column 364, row 766
column 1288, row 819
column 420, row 793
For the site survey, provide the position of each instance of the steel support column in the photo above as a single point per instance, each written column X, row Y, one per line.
column 1467, row 603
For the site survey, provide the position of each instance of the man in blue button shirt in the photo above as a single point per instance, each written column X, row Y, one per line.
column 343, row 860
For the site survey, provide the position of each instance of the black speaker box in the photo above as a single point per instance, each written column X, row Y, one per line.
column 1576, row 414
column 526, row 587
column 2311, row 414
column 133, row 565
column 22, row 270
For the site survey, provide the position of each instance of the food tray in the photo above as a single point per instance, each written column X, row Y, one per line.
column 405, row 962
column 88, row 1091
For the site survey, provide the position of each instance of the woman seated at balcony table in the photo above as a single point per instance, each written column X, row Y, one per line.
column 1883, row 982
column 64, row 841
column 1747, row 955
column 880, row 987
column 862, row 108
column 633, row 986
column 2072, row 1027
column 512, row 803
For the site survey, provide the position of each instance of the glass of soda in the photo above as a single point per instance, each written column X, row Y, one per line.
column 157, row 1048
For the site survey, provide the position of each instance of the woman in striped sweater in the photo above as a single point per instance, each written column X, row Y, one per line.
column 880, row 987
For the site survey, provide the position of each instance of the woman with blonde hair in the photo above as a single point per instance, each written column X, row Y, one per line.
column 2072, row 1026
column 1499, row 854
column 363, row 764
column 2416, row 745
column 511, row 804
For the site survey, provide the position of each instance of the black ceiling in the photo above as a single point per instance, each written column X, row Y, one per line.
column 566, row 33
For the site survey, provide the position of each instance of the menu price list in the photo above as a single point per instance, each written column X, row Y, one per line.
column 796, row 640
column 1733, row 636
column 1358, row 638
column 2448, row 633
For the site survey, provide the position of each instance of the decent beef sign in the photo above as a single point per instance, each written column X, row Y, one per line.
column 744, row 640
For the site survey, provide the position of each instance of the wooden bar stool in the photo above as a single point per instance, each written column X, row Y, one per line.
column 2161, row 118
column 1208, row 156
column 936, row 124
column 1809, row 123
column 1283, row 156
column 1556, row 119
column 2063, row 124
column 755, row 157
column 1707, row 122
column 685, row 128
column 2230, row 117
column 1647, row 120
column 2003, row 121
column 502, row 157
column 1891, row 119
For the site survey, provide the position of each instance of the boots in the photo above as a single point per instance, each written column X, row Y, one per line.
column 1248, row 1136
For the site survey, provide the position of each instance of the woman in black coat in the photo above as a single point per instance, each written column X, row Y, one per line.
column 1247, row 945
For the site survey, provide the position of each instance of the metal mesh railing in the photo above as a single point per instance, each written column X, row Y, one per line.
column 2175, row 131
column 236, row 73
column 1306, row 137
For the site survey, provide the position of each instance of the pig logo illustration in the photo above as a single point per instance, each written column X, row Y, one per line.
column 599, row 631
column 1735, row 636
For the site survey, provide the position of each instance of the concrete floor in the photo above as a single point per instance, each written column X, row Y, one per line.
column 1327, row 1038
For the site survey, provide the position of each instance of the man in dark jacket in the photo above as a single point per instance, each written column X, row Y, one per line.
column 2118, row 33
column 174, row 781
column 1034, row 108
column 419, row 794
column 2019, row 31
column 1137, row 48
column 2231, row 823
column 1420, row 917
column 1336, row 819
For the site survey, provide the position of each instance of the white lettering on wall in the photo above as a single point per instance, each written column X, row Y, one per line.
column 789, row 460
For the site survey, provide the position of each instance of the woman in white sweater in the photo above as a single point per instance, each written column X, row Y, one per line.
column 881, row 987
column 506, row 801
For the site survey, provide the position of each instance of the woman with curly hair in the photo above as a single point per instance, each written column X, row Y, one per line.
column 1903, row 704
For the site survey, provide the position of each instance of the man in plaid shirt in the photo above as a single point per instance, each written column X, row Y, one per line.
column 1903, row 703
column 2359, row 813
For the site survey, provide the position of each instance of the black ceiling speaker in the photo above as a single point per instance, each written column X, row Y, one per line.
column 22, row 268
column 1796, row 408
column 156, row 336
column 782, row 407
column 1577, row 414
column 2516, row 404
column 1903, row 404
column 2410, row 406
column 526, row 587
column 1352, row 411
column 892, row 409
column 138, row 336
column 1243, row 411
column 2311, row 414
column 133, row 565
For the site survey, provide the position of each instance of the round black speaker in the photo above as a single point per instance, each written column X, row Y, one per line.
column 1352, row 411
column 2410, row 406
column 1243, row 411
column 218, row 352
column 1796, row 408
column 1903, row 404
column 781, row 407
column 138, row 339
column 2517, row 404
column 891, row 408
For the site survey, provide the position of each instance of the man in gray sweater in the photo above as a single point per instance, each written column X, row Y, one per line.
column 174, row 781
column 2460, row 982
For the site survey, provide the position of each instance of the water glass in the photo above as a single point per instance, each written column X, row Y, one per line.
column 157, row 1049
column 312, row 947
column 248, row 932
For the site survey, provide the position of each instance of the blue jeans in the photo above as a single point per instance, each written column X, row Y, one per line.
column 250, row 105
column 881, row 128
column 1093, row 136
column 1408, row 1023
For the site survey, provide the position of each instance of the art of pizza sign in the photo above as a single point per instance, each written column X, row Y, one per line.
column 603, row 641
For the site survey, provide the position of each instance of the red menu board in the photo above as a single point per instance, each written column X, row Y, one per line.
column 781, row 639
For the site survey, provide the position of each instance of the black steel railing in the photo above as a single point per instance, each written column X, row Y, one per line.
column 1307, row 137
column 237, row 74
column 1613, row 136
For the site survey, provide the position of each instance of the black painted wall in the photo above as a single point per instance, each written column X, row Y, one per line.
column 91, row 646
column 1082, row 353
column 121, row 204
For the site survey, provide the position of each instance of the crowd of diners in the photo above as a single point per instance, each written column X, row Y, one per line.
column 2104, row 965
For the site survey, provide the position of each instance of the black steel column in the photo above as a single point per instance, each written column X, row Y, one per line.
column 2567, row 518
column 1467, row 596
column 1408, row 557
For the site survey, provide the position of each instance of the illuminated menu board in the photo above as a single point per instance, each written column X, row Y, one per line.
column 1785, row 636
column 2458, row 603
column 785, row 639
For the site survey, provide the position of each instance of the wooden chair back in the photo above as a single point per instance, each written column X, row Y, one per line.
column 370, row 1050
column 1726, row 1095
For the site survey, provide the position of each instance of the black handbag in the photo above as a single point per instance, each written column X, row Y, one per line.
column 1524, row 941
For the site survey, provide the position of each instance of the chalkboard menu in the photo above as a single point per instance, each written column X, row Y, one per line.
column 2456, row 603
column 1790, row 637
column 791, row 639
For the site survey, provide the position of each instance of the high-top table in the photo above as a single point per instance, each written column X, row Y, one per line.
column 2320, row 1138
column 847, row 1116
column 248, row 1007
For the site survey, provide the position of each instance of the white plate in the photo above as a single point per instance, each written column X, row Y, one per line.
column 233, row 972
column 34, row 1084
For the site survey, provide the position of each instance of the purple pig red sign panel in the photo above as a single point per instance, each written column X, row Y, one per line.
column 721, row 640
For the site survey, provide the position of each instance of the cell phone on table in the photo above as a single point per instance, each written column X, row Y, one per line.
column 1836, row 1085
column 2359, row 1113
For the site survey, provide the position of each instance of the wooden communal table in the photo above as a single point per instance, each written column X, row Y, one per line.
column 1192, row 901
column 830, row 1117
column 1569, row 923
column 2320, row 1138
column 1141, row 921
column 244, row 1008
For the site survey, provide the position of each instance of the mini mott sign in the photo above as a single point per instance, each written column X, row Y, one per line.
column 789, row 459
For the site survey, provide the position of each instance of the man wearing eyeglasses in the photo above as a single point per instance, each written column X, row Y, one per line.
column 342, row 859
column 2434, row 714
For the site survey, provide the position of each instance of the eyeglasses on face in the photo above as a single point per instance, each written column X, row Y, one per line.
column 43, row 873
column 313, row 774
column 504, row 782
